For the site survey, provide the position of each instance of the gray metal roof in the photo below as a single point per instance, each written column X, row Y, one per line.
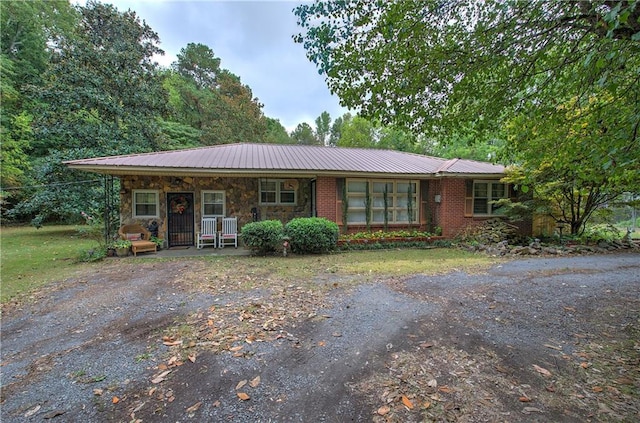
column 277, row 158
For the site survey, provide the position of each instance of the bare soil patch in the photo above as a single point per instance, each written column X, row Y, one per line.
column 545, row 339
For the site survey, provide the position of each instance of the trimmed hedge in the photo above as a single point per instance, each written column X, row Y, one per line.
column 264, row 236
column 312, row 235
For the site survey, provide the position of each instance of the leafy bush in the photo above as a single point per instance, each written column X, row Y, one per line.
column 601, row 232
column 312, row 235
column 263, row 237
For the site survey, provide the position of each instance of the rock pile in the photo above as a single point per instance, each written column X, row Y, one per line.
column 536, row 248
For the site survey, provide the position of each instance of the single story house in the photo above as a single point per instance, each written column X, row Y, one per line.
column 350, row 186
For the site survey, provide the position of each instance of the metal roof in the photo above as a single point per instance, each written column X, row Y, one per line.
column 246, row 158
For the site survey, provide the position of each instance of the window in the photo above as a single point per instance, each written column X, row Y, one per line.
column 401, row 199
column 484, row 193
column 277, row 191
column 213, row 204
column 145, row 203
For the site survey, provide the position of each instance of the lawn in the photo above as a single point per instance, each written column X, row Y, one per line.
column 32, row 257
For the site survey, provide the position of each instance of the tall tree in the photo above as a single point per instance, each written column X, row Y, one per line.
column 358, row 132
column 276, row 133
column 212, row 99
column 323, row 128
column 100, row 96
column 304, row 134
column 434, row 64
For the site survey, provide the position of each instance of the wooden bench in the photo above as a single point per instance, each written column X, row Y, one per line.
column 140, row 238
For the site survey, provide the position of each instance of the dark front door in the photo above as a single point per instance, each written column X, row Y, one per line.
column 180, row 219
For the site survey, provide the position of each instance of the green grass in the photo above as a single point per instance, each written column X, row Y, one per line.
column 32, row 257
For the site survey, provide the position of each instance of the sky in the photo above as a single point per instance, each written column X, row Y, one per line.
column 254, row 41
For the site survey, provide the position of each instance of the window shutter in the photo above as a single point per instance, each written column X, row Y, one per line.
column 468, row 198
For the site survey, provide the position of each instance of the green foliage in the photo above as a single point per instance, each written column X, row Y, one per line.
column 212, row 99
column 602, row 232
column 312, row 235
column 264, row 236
column 304, row 134
column 323, row 128
column 585, row 159
column 357, row 132
column 276, row 133
column 434, row 65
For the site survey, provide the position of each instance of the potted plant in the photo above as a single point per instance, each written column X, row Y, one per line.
column 158, row 241
column 122, row 247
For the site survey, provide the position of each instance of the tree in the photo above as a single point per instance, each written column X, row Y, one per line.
column 358, row 132
column 323, row 128
column 431, row 65
column 100, row 95
column 212, row 99
column 276, row 133
column 568, row 164
column 304, row 134
column 336, row 129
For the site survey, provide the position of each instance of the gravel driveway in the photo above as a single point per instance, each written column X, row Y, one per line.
column 544, row 339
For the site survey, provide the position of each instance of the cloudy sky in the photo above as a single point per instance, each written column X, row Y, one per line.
column 253, row 39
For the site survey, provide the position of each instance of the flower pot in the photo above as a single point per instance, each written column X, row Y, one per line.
column 122, row 251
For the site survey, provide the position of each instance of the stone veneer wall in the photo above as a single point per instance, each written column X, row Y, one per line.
column 241, row 196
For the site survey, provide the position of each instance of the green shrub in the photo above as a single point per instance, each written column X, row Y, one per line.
column 263, row 237
column 312, row 235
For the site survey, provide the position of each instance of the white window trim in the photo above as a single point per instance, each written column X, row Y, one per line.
column 277, row 202
column 489, row 196
column 145, row 191
column 224, row 205
column 393, row 196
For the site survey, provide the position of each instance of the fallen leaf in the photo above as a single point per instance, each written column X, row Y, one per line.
column 597, row 389
column 216, row 404
column 161, row 377
column 542, row 370
column 172, row 343
column 162, row 366
column 426, row 404
column 501, row 369
column 624, row 381
column 585, row 365
column 33, row 411
column 432, row 383
column 407, row 402
column 426, row 345
column 192, row 357
column 569, row 309
column 152, row 391
column 241, row 384
column 237, row 348
column 550, row 388
column 243, row 396
column 194, row 407
column 321, row 344
column 528, row 410
column 553, row 347
column 524, row 399
column 255, row 382
column 445, row 389
column 383, row 410
column 97, row 392
column 115, row 400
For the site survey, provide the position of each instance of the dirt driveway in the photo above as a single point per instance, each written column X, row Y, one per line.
column 537, row 340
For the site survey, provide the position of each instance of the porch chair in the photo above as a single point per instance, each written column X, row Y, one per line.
column 208, row 232
column 229, row 231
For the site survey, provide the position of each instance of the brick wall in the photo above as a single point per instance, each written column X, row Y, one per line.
column 327, row 199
